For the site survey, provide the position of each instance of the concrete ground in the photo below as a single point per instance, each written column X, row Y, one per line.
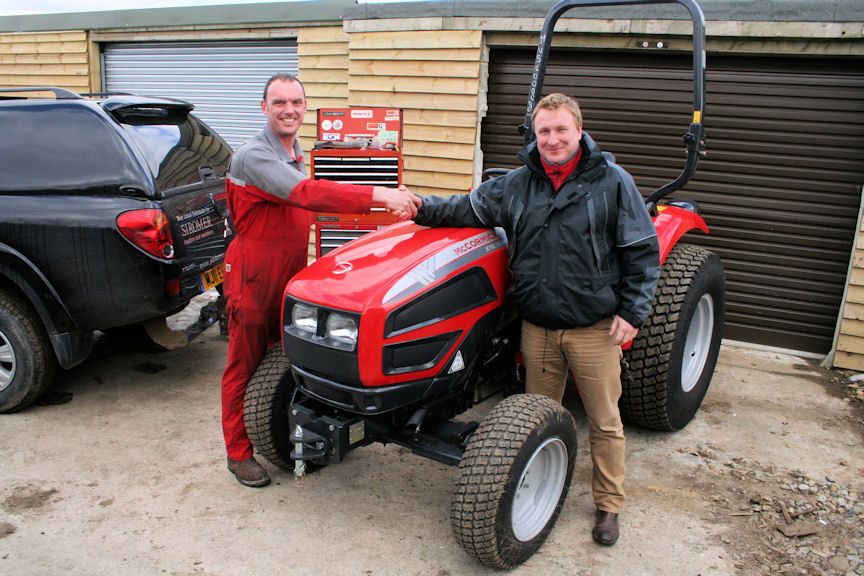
column 129, row 477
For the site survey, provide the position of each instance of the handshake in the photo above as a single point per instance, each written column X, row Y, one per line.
column 400, row 202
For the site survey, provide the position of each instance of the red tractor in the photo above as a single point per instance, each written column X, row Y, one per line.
column 394, row 336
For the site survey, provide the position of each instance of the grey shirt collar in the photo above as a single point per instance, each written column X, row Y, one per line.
column 281, row 152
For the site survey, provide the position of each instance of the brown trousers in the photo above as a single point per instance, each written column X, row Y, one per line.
column 595, row 361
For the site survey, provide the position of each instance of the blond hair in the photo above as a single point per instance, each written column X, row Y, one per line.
column 558, row 100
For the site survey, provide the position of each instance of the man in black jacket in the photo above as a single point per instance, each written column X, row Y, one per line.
column 585, row 262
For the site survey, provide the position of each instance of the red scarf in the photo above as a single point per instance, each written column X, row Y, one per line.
column 560, row 172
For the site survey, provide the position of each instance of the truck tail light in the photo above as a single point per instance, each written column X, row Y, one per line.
column 148, row 230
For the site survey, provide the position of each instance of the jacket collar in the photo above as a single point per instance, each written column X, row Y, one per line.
column 560, row 171
column 591, row 163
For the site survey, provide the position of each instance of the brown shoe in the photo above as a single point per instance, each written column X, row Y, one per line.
column 606, row 529
column 249, row 472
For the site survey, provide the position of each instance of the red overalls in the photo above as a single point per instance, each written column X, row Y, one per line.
column 270, row 246
column 256, row 272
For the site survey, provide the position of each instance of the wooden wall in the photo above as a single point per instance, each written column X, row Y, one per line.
column 850, row 343
column 323, row 54
column 46, row 59
column 434, row 76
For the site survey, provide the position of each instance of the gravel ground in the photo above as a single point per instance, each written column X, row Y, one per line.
column 122, row 471
column 787, row 521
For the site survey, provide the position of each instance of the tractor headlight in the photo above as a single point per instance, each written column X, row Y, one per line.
column 321, row 326
column 304, row 318
column 341, row 328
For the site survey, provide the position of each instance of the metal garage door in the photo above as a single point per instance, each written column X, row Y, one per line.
column 780, row 187
column 223, row 80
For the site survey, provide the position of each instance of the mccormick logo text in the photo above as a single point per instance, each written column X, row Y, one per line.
column 475, row 243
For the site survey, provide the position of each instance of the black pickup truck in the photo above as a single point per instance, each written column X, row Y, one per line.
column 112, row 213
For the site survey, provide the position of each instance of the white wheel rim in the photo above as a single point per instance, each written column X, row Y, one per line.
column 7, row 362
column 698, row 343
column 539, row 489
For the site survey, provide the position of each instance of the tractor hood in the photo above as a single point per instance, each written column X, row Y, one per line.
column 390, row 265
column 415, row 297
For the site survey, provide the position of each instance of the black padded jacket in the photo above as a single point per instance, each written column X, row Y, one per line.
column 578, row 255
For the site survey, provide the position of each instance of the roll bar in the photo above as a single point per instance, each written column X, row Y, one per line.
column 694, row 139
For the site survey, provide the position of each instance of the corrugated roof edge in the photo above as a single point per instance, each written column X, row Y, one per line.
column 282, row 12
column 722, row 10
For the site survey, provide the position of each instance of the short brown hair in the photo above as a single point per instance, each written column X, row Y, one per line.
column 558, row 100
column 283, row 76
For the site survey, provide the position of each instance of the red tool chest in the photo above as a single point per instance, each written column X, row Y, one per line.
column 355, row 146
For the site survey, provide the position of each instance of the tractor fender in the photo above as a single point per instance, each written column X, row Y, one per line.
column 71, row 345
column 672, row 223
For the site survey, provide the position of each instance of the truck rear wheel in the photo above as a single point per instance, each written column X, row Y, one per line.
column 266, row 406
column 669, row 366
column 513, row 480
column 27, row 362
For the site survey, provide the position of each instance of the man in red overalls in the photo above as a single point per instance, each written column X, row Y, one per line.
column 270, row 198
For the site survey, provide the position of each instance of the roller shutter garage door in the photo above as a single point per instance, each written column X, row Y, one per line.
column 224, row 80
column 780, row 187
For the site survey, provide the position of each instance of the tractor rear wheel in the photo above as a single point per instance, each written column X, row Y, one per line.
column 669, row 366
column 266, row 405
column 513, row 480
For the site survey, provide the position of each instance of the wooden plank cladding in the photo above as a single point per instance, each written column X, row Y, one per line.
column 434, row 76
column 323, row 56
column 45, row 59
column 850, row 344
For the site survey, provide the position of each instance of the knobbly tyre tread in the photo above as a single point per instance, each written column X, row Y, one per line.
column 44, row 364
column 646, row 364
column 478, row 514
column 265, row 406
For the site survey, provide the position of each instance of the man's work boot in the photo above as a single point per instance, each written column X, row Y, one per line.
column 606, row 529
column 249, row 472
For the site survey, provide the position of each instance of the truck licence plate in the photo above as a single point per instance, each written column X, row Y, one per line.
column 211, row 278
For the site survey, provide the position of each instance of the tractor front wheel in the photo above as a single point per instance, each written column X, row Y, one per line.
column 669, row 366
column 266, row 405
column 513, row 480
